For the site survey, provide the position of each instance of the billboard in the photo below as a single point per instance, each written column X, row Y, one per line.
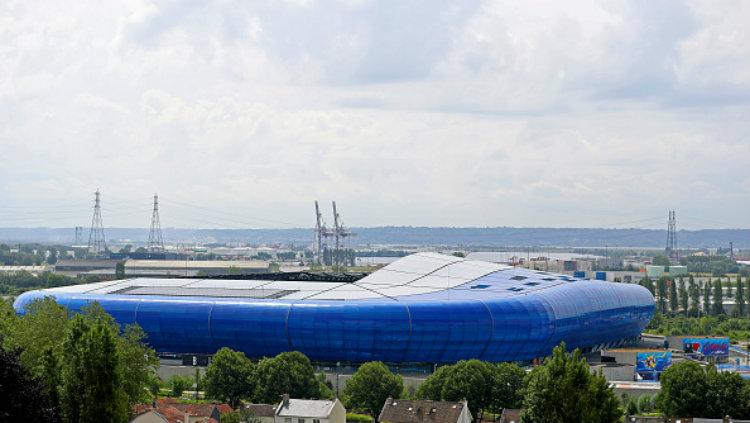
column 707, row 347
column 649, row 365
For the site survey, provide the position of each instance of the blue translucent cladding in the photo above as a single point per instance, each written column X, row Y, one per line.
column 480, row 318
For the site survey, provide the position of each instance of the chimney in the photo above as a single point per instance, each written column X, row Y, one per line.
column 285, row 400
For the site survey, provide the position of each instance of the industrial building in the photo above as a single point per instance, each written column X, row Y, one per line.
column 423, row 308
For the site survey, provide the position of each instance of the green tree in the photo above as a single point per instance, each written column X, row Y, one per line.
column 730, row 294
column 370, row 386
column 432, row 387
column 673, row 301
column 178, row 384
column 229, row 377
column 707, row 297
column 92, row 389
column 139, row 363
column 661, row 290
column 660, row 261
column 8, row 320
column 695, row 296
column 563, row 390
column 23, row 397
column 648, row 284
column 287, row 373
column 120, row 270
column 689, row 390
column 472, row 380
column 718, row 304
column 682, row 292
column 507, row 389
column 645, row 404
column 740, row 297
column 43, row 326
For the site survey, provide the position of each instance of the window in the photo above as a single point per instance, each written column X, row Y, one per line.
column 300, row 420
column 531, row 283
column 316, row 420
column 287, row 420
column 518, row 278
column 480, row 286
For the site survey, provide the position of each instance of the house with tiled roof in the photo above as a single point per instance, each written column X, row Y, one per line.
column 170, row 411
column 424, row 411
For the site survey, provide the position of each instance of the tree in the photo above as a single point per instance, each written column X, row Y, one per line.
column 648, row 284
column 507, row 390
column 673, row 303
column 718, row 304
column 695, row 296
column 92, row 388
column 660, row 261
column 740, row 297
column 682, row 292
column 138, row 363
column 370, row 386
column 178, row 384
column 645, row 404
column 120, row 270
column 661, row 289
column 43, row 326
column 229, row 377
column 564, row 390
column 473, row 381
column 689, row 390
column 729, row 288
column 23, row 397
column 707, row 297
column 287, row 373
column 8, row 319
column 432, row 387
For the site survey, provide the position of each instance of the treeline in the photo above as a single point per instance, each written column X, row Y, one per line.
column 28, row 254
column 80, row 369
column 18, row 282
column 561, row 390
column 692, row 299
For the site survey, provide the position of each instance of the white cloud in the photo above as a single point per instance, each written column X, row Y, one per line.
column 419, row 113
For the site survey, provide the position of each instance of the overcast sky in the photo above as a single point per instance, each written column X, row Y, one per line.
column 469, row 113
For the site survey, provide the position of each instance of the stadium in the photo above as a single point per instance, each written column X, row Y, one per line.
column 423, row 308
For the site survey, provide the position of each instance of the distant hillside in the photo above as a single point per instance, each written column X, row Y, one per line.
column 407, row 235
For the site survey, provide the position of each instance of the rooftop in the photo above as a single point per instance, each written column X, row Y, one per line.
column 419, row 411
column 423, row 274
column 305, row 408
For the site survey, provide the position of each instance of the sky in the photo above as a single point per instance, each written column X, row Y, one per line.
column 424, row 113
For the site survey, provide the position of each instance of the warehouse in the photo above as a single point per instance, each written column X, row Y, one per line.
column 423, row 308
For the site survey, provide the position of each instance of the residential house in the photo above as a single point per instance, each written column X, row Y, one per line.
column 262, row 413
column 168, row 410
column 292, row 410
column 424, row 411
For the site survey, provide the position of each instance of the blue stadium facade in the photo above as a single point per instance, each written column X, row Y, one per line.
column 424, row 308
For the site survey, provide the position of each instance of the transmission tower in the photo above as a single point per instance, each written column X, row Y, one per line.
column 340, row 232
column 322, row 233
column 671, row 251
column 97, row 243
column 155, row 239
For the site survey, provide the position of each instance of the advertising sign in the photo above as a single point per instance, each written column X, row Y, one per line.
column 649, row 365
column 707, row 347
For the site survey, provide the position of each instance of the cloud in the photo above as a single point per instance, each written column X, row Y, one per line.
column 422, row 113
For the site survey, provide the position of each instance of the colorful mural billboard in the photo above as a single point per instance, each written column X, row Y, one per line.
column 707, row 347
column 649, row 365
